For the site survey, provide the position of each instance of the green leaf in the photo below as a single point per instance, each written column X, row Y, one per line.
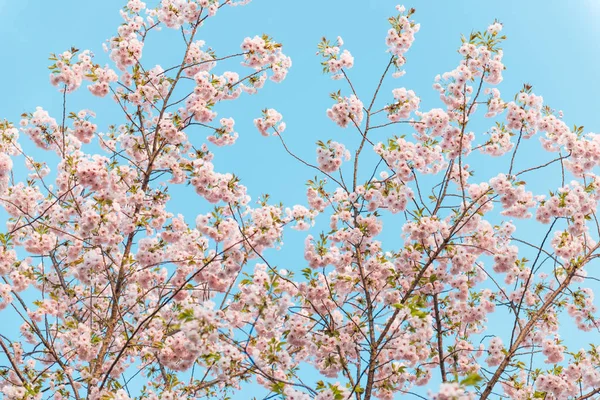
column 471, row 380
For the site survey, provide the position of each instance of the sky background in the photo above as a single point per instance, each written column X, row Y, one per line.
column 550, row 45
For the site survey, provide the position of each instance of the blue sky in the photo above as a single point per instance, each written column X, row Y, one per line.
column 549, row 45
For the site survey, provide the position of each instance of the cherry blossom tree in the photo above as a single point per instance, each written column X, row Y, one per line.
column 111, row 286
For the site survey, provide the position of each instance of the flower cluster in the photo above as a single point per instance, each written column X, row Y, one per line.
column 261, row 53
column 402, row 156
column 575, row 202
column 483, row 59
column 65, row 73
column 499, row 142
column 101, row 78
column 495, row 352
column 553, row 349
column 515, row 200
column 6, row 165
column 83, row 129
column 269, row 120
column 214, row 186
column 303, row 216
column 524, row 114
column 401, row 36
column 406, row 102
column 198, row 60
column 452, row 391
column 330, row 155
column 135, row 6
column 334, row 62
column 346, row 109
column 175, row 13
column 495, row 104
column 126, row 48
column 224, row 136
column 434, row 121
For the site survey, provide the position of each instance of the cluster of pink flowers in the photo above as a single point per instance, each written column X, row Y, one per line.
column 495, row 104
column 428, row 231
column 267, row 226
column 6, row 165
column 401, row 36
column 22, row 200
column 126, row 51
column 494, row 28
column 452, row 391
column 568, row 246
column 499, row 142
column 175, row 13
column 334, row 62
column 135, row 6
column 14, row 391
column 209, row 90
column 269, row 120
column 42, row 129
column 126, row 48
column 66, row 74
column 553, row 350
column 93, row 172
column 149, row 252
column 330, row 155
column 263, row 52
column 585, row 154
column 90, row 269
column 557, row 135
column 479, row 61
column 574, row 202
column 101, row 78
column 505, row 258
column 5, row 296
column 455, row 142
column 334, row 391
column 198, row 60
column 583, row 308
column 515, row 200
column 79, row 341
column 406, row 102
column 524, row 113
column 170, row 132
column 435, row 120
column 40, row 243
column 495, row 354
column 584, row 149
column 214, row 186
column 256, row 82
column 303, row 216
column 317, row 254
column 390, row 194
column 83, row 129
column 9, row 136
column 315, row 201
column 345, row 110
column 560, row 387
column 152, row 89
column 224, row 136
column 402, row 156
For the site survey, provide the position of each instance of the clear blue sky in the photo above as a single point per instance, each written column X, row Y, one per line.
column 550, row 45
